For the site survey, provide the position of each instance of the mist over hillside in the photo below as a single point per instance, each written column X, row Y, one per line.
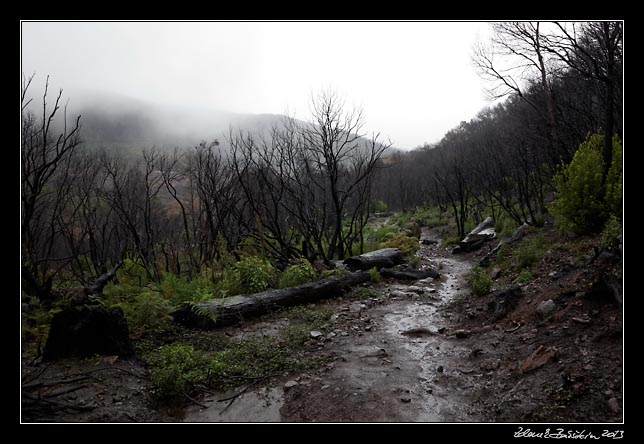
column 125, row 123
column 121, row 121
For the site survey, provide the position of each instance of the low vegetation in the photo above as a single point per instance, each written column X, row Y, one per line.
column 479, row 281
column 182, row 368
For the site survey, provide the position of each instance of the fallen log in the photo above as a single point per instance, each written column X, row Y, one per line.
column 383, row 258
column 477, row 237
column 410, row 275
column 215, row 313
column 518, row 234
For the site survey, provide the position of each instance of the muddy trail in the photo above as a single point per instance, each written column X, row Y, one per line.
column 395, row 359
column 424, row 351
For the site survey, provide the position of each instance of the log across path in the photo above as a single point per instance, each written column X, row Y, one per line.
column 217, row 313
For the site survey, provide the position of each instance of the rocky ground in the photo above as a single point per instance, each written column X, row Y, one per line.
column 551, row 351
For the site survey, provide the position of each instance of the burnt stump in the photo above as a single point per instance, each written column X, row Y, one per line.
column 86, row 331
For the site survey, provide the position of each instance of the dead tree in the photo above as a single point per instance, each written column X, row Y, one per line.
column 47, row 150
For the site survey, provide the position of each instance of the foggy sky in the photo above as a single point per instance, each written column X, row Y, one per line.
column 414, row 80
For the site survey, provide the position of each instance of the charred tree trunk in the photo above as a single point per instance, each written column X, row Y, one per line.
column 383, row 258
column 213, row 314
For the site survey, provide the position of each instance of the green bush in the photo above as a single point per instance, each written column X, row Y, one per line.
column 379, row 206
column 228, row 283
column 177, row 289
column 414, row 261
column 335, row 273
column 406, row 244
column 132, row 273
column 375, row 275
column 611, row 230
column 530, row 251
column 524, row 277
column 505, row 225
column 148, row 310
column 614, row 180
column 297, row 274
column 479, row 282
column 177, row 370
column 255, row 274
column 582, row 205
column 382, row 234
column 447, row 241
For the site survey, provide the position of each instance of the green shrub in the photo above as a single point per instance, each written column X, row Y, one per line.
column 362, row 293
column 407, row 245
column 148, row 310
column 255, row 274
column 582, row 205
column 228, row 283
column 414, row 261
column 614, row 180
column 132, row 273
column 382, row 234
column 334, row 273
column 379, row 206
column 177, row 370
column 479, row 282
column 611, row 230
column 297, row 274
column 505, row 225
column 447, row 241
column 524, row 277
column 530, row 251
column 375, row 275
column 177, row 289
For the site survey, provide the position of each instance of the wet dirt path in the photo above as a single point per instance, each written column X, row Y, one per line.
column 406, row 365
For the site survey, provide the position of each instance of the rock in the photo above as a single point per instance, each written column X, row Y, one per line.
column 426, row 241
column 440, row 369
column 325, row 386
column 405, row 399
column 546, row 307
column 495, row 273
column 503, row 301
column 290, row 384
column 613, row 404
column 410, row 274
column 608, row 289
column 490, row 366
column 540, row 357
column 377, row 353
column 88, row 331
column 461, row 334
column 425, row 282
column 399, row 294
column 316, row 334
column 330, row 335
column 419, row 331
column 414, row 289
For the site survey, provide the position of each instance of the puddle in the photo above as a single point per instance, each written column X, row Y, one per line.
column 260, row 406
